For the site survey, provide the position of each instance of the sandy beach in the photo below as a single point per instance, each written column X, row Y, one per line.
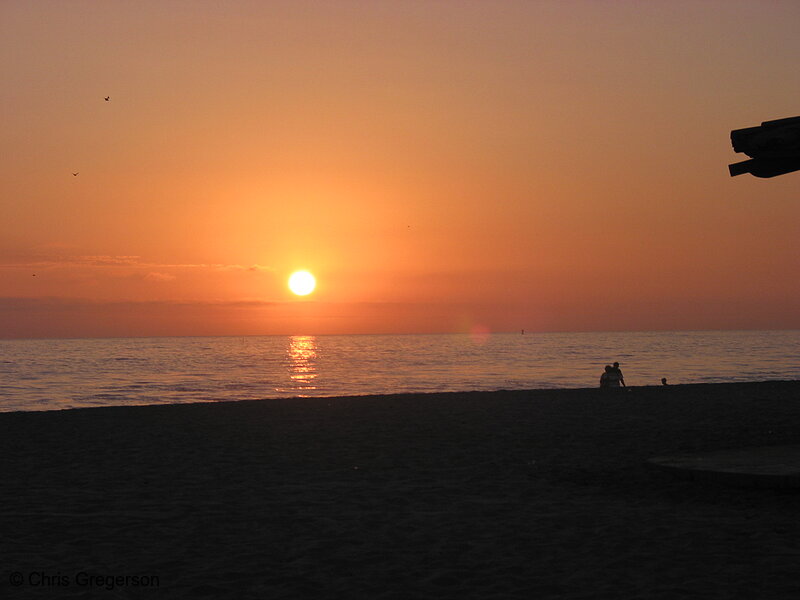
column 530, row 494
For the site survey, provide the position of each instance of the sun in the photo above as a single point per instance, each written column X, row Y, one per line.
column 302, row 283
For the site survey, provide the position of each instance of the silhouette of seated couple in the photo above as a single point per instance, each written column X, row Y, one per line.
column 612, row 377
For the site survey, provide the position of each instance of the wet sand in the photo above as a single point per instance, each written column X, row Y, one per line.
column 534, row 494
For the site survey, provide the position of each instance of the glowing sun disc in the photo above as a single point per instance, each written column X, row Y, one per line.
column 302, row 283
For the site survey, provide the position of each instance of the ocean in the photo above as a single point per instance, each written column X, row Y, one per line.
column 75, row 373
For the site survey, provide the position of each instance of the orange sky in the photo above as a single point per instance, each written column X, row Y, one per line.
column 552, row 166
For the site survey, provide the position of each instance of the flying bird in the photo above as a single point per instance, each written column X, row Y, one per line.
column 75, row 174
column 107, row 98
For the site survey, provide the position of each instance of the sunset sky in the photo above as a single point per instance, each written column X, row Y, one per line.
column 438, row 166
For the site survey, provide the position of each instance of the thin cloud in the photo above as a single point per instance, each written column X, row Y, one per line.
column 154, row 276
column 128, row 261
column 109, row 261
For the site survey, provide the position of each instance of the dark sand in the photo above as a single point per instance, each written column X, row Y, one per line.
column 540, row 494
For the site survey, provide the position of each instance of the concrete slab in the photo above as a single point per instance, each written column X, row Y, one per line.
column 764, row 466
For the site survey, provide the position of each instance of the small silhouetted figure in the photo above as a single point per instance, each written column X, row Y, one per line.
column 107, row 98
column 619, row 373
column 664, row 381
column 611, row 378
column 74, row 174
column 604, row 377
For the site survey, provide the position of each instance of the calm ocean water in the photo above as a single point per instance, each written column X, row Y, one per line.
column 61, row 374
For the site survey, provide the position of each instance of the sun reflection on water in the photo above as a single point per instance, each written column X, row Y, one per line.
column 301, row 354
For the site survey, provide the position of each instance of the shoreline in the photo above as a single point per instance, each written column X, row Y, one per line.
column 509, row 494
column 535, row 391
